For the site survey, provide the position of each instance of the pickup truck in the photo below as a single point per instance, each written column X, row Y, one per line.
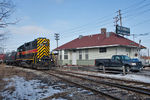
column 118, row 61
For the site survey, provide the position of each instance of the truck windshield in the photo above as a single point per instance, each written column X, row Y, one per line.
column 126, row 58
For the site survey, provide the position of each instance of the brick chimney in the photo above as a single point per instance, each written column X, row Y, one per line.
column 103, row 30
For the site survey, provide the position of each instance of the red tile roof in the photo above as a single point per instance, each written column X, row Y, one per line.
column 145, row 57
column 98, row 40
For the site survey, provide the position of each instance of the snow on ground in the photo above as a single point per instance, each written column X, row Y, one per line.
column 133, row 76
column 59, row 99
column 30, row 90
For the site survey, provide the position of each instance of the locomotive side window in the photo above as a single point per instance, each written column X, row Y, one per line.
column 27, row 46
column 23, row 48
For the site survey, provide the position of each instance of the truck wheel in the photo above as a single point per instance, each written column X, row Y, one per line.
column 100, row 66
column 127, row 69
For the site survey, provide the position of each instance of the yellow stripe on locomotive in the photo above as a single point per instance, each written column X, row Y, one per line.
column 42, row 48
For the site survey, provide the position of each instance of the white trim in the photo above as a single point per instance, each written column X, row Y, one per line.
column 103, row 46
column 97, row 46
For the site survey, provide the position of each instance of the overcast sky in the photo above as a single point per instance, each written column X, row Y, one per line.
column 71, row 18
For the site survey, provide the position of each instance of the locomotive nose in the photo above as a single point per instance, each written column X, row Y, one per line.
column 43, row 48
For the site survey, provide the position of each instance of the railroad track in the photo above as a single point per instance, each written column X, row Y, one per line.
column 85, row 87
column 108, row 78
column 62, row 76
column 100, row 89
column 131, row 88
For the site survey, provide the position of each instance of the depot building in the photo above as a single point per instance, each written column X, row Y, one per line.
column 85, row 49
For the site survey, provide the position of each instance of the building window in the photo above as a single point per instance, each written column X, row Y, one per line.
column 101, row 50
column 60, row 55
column 86, row 54
column 128, row 49
column 65, row 54
column 80, row 55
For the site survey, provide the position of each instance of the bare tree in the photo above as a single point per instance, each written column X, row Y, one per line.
column 3, row 38
column 6, row 10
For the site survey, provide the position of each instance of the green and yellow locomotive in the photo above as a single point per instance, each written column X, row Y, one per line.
column 35, row 54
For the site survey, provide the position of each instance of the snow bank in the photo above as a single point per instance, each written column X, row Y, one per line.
column 140, row 78
column 30, row 90
column 134, row 77
column 59, row 99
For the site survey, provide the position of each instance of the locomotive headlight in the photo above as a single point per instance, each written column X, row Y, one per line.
column 133, row 64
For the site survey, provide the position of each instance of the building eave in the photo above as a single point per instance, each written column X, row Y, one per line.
column 115, row 45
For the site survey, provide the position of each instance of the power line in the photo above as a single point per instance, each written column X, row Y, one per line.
column 95, row 25
column 139, row 13
column 106, row 16
column 136, row 7
column 143, row 34
column 140, row 23
column 103, row 19
column 79, row 31
column 135, row 11
column 81, row 27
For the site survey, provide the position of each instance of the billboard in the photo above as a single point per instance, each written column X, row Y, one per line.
column 122, row 30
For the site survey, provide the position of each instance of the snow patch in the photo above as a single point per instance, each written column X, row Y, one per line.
column 58, row 99
column 30, row 90
column 134, row 77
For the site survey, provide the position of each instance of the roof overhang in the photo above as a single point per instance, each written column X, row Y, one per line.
column 115, row 45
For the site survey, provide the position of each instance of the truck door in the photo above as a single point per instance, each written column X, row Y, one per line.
column 116, row 61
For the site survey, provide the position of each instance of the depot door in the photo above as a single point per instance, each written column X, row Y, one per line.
column 74, row 60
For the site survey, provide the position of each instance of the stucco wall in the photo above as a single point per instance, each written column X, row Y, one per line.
column 86, row 62
column 67, row 62
column 95, row 54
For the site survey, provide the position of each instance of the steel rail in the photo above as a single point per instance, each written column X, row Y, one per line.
column 126, row 87
column 85, row 87
column 129, row 81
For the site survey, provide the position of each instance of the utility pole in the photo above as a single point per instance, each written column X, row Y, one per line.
column 148, row 52
column 139, row 49
column 56, row 37
column 120, row 18
column 116, row 20
column 135, row 35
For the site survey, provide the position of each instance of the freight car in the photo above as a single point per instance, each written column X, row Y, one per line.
column 34, row 54
column 2, row 56
column 10, row 58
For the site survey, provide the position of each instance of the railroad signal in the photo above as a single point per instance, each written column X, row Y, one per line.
column 56, row 37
